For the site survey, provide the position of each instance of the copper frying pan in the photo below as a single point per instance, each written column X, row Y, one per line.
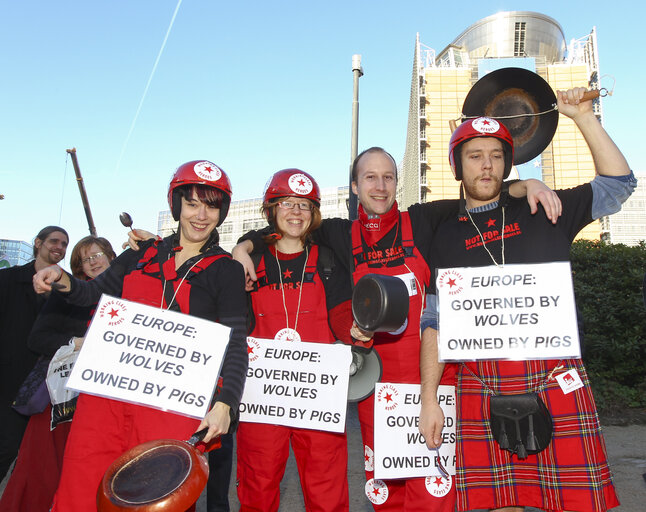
column 165, row 474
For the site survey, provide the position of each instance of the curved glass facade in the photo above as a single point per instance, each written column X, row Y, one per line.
column 514, row 34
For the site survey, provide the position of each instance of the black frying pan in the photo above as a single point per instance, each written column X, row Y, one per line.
column 380, row 303
column 522, row 93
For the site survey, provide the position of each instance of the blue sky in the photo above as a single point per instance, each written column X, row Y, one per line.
column 253, row 86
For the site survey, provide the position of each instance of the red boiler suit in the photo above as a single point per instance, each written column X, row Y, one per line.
column 263, row 449
column 399, row 354
column 103, row 428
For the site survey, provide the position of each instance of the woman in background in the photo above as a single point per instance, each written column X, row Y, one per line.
column 35, row 477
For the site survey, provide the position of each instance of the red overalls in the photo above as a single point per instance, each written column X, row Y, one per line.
column 103, row 428
column 399, row 354
column 263, row 449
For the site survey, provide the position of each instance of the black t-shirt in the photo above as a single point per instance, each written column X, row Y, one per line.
column 425, row 219
column 527, row 238
column 336, row 234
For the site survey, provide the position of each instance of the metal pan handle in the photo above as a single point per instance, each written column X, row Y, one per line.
column 588, row 95
column 197, row 436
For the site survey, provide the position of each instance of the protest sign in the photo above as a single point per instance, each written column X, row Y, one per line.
column 515, row 312
column 297, row 384
column 146, row 355
column 400, row 450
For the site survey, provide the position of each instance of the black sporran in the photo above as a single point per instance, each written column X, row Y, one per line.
column 520, row 424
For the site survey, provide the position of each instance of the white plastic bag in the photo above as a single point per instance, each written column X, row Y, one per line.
column 63, row 399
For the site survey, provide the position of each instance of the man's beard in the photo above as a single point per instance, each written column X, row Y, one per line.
column 486, row 195
column 53, row 259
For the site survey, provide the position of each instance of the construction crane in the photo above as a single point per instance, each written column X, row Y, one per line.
column 79, row 182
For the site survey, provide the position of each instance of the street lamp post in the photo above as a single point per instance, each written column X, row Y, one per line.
column 357, row 72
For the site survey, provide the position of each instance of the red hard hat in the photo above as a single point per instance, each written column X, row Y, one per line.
column 199, row 172
column 479, row 127
column 292, row 183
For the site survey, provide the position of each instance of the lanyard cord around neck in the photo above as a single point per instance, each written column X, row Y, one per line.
column 502, row 238
column 161, row 305
column 282, row 289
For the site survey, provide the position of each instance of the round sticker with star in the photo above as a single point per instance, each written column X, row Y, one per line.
column 485, row 125
column 368, row 458
column 287, row 334
column 376, row 491
column 300, row 184
column 207, row 171
column 438, row 486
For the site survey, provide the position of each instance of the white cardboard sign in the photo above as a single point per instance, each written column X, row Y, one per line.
column 150, row 356
column 515, row 312
column 400, row 450
column 297, row 384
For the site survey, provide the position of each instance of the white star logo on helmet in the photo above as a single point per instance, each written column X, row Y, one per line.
column 207, row 171
column 485, row 125
column 300, row 184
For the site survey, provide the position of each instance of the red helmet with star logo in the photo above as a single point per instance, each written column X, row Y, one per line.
column 199, row 172
column 479, row 127
column 292, row 183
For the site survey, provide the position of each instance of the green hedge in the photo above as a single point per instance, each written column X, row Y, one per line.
column 608, row 287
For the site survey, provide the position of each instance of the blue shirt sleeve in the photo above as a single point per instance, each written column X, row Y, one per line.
column 610, row 192
column 429, row 315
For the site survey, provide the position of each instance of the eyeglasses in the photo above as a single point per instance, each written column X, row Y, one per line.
column 288, row 205
column 92, row 257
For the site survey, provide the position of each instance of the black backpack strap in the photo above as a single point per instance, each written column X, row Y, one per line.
column 251, row 319
column 256, row 257
column 326, row 261
column 261, row 275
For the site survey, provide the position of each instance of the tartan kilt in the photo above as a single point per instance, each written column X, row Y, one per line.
column 572, row 473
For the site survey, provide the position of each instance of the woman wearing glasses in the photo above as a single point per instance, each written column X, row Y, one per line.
column 38, row 466
column 289, row 303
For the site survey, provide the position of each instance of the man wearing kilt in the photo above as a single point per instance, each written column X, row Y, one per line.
column 571, row 473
